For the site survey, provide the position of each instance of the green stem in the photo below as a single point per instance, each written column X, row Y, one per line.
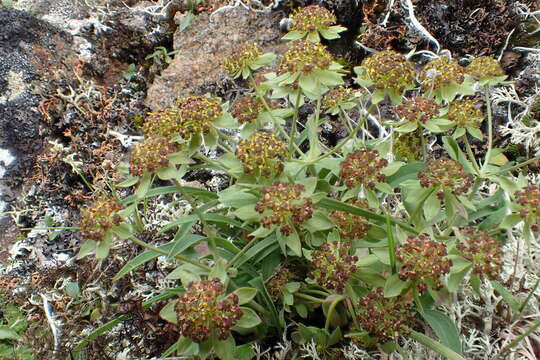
column 210, row 233
column 331, row 311
column 490, row 128
column 294, row 125
column 391, row 244
column 166, row 253
column 471, row 154
column 309, row 298
column 516, row 341
column 243, row 251
column 520, row 165
column 417, row 300
column 318, row 292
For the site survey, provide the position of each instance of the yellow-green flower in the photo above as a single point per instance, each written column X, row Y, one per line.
column 246, row 58
column 486, row 70
column 389, row 72
column 311, row 21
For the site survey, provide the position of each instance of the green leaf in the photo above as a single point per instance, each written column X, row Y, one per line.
column 510, row 221
column 509, row 298
column 123, row 231
column 144, row 186
column 407, row 127
column 293, row 35
column 392, row 168
column 475, row 133
column 224, row 349
column 103, row 247
column 168, row 313
column 244, row 352
column 455, row 279
column 445, row 329
column 394, row 286
column 130, row 181
column 182, row 241
column 86, row 248
column 236, row 197
column 432, row 206
column 245, row 294
column 72, row 289
column 185, row 21
column 318, row 222
column 293, row 242
column 249, row 319
column 377, row 96
column 6, row 333
column 436, row 346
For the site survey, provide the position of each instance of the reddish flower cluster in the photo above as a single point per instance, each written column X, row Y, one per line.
column 384, row 318
column 99, row 218
column 262, row 154
column 389, row 69
column 418, row 109
column 465, row 113
column 247, row 108
column 483, row 251
column 351, row 226
column 277, row 281
column 333, row 266
column 305, row 56
column 282, row 203
column 529, row 199
column 151, row 154
column 202, row 309
column 423, row 261
column 445, row 174
column 440, row 73
column 484, row 67
column 362, row 167
column 192, row 115
column 312, row 18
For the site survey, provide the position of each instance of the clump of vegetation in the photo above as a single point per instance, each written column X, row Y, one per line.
column 380, row 243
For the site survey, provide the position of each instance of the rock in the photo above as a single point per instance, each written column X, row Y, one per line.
column 197, row 67
column 33, row 55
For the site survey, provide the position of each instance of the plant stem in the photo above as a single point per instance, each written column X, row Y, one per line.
column 520, row 165
column 490, row 128
column 243, row 251
column 309, row 298
column 331, row 310
column 294, row 125
column 166, row 253
column 471, row 154
column 210, row 233
column 391, row 245
column 516, row 341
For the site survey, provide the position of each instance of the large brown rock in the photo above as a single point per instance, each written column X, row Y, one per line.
column 197, row 67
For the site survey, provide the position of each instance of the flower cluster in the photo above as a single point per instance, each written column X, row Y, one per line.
column 281, row 203
column 242, row 58
column 333, row 266
column 202, row 309
column 465, row 113
column 409, row 146
column 192, row 115
column 423, row 261
column 418, row 109
column 305, row 56
column 529, row 199
column 262, row 154
column 445, row 174
column 440, row 73
column 384, row 318
column 277, row 281
column 484, row 67
column 483, row 251
column 389, row 69
column 312, row 18
column 99, row 218
column 351, row 226
column 151, row 154
column 362, row 167
column 338, row 97
column 247, row 108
